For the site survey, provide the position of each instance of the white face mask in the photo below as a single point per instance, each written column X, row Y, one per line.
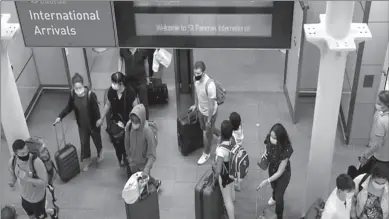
column 349, row 195
column 115, row 86
column 378, row 186
column 135, row 126
column 273, row 141
column 80, row 92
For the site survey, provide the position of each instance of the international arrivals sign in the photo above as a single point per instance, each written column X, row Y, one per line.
column 69, row 16
column 66, row 23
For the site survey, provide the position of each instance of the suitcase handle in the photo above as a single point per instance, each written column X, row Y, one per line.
column 56, row 134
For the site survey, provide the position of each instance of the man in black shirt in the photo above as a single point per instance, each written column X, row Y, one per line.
column 136, row 67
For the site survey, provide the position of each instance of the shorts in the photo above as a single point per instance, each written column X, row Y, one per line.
column 35, row 209
column 203, row 120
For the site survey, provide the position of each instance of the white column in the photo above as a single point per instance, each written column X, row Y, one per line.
column 335, row 36
column 12, row 113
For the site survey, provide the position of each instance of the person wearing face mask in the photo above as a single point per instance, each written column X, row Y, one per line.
column 140, row 145
column 136, row 68
column 338, row 205
column 371, row 201
column 206, row 106
column 121, row 98
column 278, row 153
column 86, row 109
column 378, row 150
column 32, row 189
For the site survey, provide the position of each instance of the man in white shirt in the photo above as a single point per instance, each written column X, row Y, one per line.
column 205, row 103
column 338, row 205
column 378, row 151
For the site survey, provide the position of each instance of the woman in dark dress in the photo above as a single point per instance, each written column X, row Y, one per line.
column 86, row 108
column 121, row 98
column 278, row 152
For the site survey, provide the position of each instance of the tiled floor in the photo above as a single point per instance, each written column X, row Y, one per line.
column 97, row 193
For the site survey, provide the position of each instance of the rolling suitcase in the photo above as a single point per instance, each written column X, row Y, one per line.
column 157, row 92
column 66, row 159
column 146, row 207
column 189, row 133
column 208, row 198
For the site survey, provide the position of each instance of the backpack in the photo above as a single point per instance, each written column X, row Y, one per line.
column 154, row 129
column 220, row 91
column 239, row 162
column 37, row 148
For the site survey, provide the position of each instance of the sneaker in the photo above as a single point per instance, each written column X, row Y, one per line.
column 100, row 156
column 158, row 184
column 55, row 213
column 203, row 159
column 271, row 201
column 86, row 164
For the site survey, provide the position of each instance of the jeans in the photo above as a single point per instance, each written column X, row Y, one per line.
column 141, row 91
column 279, row 187
column 120, row 150
column 85, row 135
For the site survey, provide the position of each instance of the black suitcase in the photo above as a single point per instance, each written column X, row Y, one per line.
column 157, row 92
column 66, row 159
column 146, row 207
column 189, row 134
column 208, row 198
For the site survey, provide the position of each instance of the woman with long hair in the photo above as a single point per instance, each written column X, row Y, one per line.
column 85, row 105
column 278, row 152
column 372, row 194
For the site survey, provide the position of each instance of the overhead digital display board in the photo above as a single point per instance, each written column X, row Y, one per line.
column 66, row 23
column 204, row 24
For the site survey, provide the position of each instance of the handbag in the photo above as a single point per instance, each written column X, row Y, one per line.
column 114, row 130
column 136, row 188
column 263, row 163
column 163, row 57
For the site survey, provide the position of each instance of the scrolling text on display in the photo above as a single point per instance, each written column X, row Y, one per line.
column 201, row 28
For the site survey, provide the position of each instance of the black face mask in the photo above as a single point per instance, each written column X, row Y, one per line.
column 197, row 78
column 24, row 158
